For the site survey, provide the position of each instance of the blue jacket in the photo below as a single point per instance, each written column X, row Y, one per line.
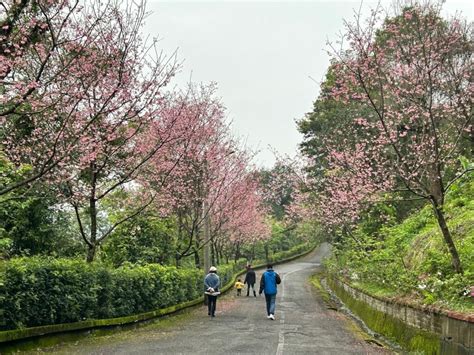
column 212, row 280
column 269, row 281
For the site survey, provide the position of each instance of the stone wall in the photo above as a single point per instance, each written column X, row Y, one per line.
column 414, row 329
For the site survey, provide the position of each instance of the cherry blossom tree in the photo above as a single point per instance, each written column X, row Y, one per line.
column 414, row 74
column 86, row 122
column 209, row 185
column 38, row 47
column 183, row 192
column 286, row 189
column 113, row 160
column 63, row 66
column 239, row 215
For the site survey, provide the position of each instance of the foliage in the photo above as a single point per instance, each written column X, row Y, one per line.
column 394, row 115
column 39, row 291
column 144, row 239
column 298, row 249
column 31, row 222
column 34, row 227
column 410, row 260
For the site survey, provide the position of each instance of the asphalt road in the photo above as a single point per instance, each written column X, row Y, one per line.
column 303, row 325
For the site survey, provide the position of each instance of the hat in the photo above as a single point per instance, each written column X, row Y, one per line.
column 212, row 269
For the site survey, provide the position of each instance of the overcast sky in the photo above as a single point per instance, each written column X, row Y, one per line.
column 267, row 58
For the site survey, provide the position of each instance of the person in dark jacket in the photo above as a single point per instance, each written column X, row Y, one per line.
column 211, row 289
column 250, row 280
column 268, row 284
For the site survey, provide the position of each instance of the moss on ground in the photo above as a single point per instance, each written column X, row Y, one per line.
column 315, row 280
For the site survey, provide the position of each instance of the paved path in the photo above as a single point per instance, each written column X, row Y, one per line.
column 303, row 325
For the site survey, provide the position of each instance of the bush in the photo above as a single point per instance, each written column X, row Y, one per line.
column 226, row 273
column 40, row 291
column 51, row 291
column 410, row 260
column 289, row 253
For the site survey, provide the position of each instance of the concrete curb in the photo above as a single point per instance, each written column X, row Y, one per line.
column 414, row 328
column 466, row 317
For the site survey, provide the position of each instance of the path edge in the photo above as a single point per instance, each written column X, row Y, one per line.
column 430, row 334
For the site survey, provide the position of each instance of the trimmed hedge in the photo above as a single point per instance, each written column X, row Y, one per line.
column 282, row 255
column 37, row 292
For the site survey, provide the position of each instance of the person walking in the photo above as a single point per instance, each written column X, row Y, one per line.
column 211, row 289
column 250, row 280
column 239, row 286
column 268, row 284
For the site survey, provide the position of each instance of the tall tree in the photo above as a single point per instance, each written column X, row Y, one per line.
column 93, row 115
column 63, row 66
column 210, row 183
column 414, row 74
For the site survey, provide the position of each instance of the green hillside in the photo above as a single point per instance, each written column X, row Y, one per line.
column 410, row 261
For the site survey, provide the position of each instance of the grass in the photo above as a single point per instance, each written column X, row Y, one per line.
column 410, row 260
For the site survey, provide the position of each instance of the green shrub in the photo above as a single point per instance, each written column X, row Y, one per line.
column 298, row 249
column 50, row 291
column 226, row 273
column 411, row 259
column 40, row 291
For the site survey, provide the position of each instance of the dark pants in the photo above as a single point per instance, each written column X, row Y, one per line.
column 253, row 289
column 239, row 292
column 211, row 305
column 270, row 304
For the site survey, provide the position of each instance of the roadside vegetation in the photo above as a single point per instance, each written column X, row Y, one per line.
column 115, row 186
column 408, row 260
column 389, row 148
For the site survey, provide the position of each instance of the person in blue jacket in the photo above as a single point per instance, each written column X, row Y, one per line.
column 211, row 289
column 268, row 284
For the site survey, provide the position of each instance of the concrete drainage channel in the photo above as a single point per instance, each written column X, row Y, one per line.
column 339, row 306
column 402, row 327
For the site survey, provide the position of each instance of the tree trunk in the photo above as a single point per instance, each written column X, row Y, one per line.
column 213, row 254
column 266, row 252
column 218, row 254
column 91, row 253
column 221, row 254
column 177, row 258
column 237, row 252
column 93, row 240
column 456, row 262
column 197, row 260
column 92, row 216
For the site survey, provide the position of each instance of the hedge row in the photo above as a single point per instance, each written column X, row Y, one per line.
column 38, row 292
column 35, row 291
column 289, row 253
